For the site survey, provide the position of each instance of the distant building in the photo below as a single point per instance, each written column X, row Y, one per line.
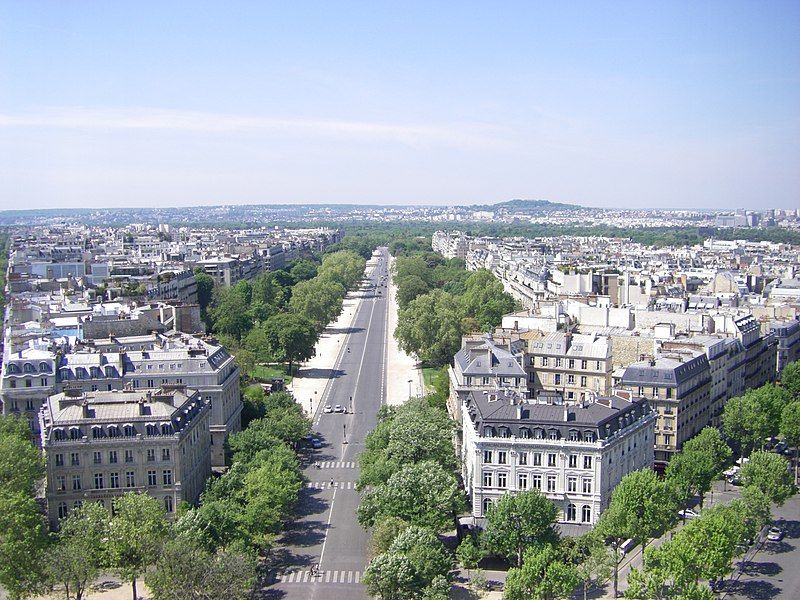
column 99, row 445
column 787, row 334
column 574, row 454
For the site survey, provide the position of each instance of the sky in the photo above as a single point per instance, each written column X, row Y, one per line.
column 614, row 104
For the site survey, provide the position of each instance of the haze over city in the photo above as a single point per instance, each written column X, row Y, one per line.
column 613, row 105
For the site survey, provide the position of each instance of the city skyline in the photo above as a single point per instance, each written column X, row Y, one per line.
column 628, row 105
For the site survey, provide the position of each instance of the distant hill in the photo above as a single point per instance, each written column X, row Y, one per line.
column 527, row 206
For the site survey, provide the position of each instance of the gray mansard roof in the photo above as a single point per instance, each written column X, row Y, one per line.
column 488, row 360
column 506, row 411
column 663, row 371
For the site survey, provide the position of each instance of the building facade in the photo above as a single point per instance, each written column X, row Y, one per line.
column 100, row 445
column 574, row 454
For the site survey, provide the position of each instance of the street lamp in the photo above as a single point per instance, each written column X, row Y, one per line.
column 344, row 433
column 409, row 388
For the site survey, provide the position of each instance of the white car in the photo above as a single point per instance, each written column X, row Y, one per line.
column 774, row 534
column 688, row 513
column 327, row 409
column 338, row 408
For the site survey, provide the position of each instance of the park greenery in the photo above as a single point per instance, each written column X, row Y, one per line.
column 439, row 301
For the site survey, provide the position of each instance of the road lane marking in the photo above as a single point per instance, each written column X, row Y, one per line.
column 327, row 529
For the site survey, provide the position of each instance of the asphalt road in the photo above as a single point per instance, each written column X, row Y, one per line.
column 327, row 532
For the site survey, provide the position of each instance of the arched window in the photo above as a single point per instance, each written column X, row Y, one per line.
column 13, row 369
column 59, row 434
column 589, row 436
column 75, row 433
column 44, row 367
column 65, row 374
column 152, row 429
column 572, row 512
column 81, row 373
column 586, row 514
column 29, row 368
column 97, row 432
column 166, row 429
column 553, row 434
column 486, row 504
column 113, row 431
column 538, row 434
column 96, row 373
column 505, row 432
column 110, row 371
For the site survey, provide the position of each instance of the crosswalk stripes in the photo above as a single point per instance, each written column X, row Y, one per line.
column 337, row 464
column 335, row 576
column 326, row 485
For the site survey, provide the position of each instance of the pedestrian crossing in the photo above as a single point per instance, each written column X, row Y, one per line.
column 337, row 464
column 340, row 577
column 326, row 485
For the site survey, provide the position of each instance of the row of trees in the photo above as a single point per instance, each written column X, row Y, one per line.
column 277, row 317
column 439, row 301
column 408, row 469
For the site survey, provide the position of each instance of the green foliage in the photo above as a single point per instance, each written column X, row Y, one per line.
column 430, row 326
column 422, row 494
column 186, row 569
column 384, row 533
column 750, row 419
column 22, row 543
column 468, row 553
column 79, row 554
column 135, row 534
column 318, row 300
column 416, row 563
column 769, row 473
column 344, row 267
column 790, row 424
column 205, row 287
column 230, row 311
column 518, row 522
column 289, row 337
column 790, row 379
column 542, row 576
column 21, row 463
column 703, row 458
column 303, row 270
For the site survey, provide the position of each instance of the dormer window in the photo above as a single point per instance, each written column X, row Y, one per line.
column 113, row 431
column 129, row 430
column 524, row 433
column 505, row 432
column 97, row 432
column 588, row 436
column 538, row 434
column 553, row 434
column 44, row 367
column 29, row 368
column 574, row 436
column 488, row 432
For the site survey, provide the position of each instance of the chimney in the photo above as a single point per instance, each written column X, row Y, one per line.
column 141, row 407
column 85, row 409
column 567, row 340
column 566, row 413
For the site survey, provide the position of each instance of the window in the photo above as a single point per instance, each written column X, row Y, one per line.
column 544, row 361
column 112, row 457
column 76, row 483
column 486, row 504
column 667, row 439
column 129, row 431
column 114, row 477
column 583, row 380
column 62, row 510
column 589, row 436
column 168, row 503
column 98, row 481
column 537, row 482
column 502, row 480
column 584, row 365
column 130, row 479
column 669, row 392
column 61, row 483
column 557, row 379
column 558, row 362
column 587, row 462
column 537, row 459
column 551, row 459
column 571, row 363
column 523, row 458
column 59, row 460
column 97, row 457
column 501, row 457
column 522, row 481
column 571, row 379
column 167, row 477
column 572, row 512
column 586, row 514
column 75, row 459
column 641, row 390
column 574, row 436
column 150, row 381
column 551, row 483
column 573, row 461
column 487, row 479
column 553, row 434
column 29, row 405
column 487, row 457
column 128, row 456
column 572, row 484
column 151, row 478
column 587, row 486
column 165, row 454
column 151, row 454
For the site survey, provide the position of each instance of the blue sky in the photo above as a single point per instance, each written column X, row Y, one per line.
column 651, row 104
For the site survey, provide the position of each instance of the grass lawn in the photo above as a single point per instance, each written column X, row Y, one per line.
column 432, row 376
column 267, row 372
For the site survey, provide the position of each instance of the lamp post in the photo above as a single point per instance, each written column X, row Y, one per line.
column 344, row 433
column 409, row 388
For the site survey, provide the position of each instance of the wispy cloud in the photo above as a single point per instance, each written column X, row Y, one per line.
column 83, row 118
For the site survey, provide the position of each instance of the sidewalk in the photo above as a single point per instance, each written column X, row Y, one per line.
column 400, row 367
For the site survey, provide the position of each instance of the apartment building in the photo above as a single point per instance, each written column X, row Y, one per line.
column 100, row 445
column 678, row 387
column 787, row 335
column 576, row 365
column 575, row 454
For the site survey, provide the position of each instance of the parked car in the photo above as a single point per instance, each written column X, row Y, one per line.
column 774, row 534
column 338, row 408
column 316, row 444
column 328, row 409
column 688, row 513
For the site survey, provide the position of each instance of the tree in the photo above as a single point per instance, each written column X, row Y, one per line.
column 384, row 532
column 769, row 473
column 468, row 553
column 319, row 300
column 430, row 327
column 642, row 507
column 426, row 553
column 186, row 569
column 408, row 288
column 422, row 494
column 542, row 576
column 594, row 563
column 136, row 533
column 750, row 419
column 21, row 464
column 439, row 589
column 517, row 522
column 790, row 379
column 78, row 554
column 390, row 576
column 270, row 491
column 701, row 461
column 22, row 543
column 790, row 429
column 205, row 287
column 291, row 336
column 303, row 270
column 230, row 312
